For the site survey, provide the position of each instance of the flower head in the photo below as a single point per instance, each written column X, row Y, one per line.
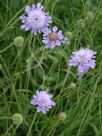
column 70, row 35
column 84, row 59
column 62, row 116
column 72, row 85
column 43, row 101
column 52, row 38
column 17, row 118
column 81, row 23
column 18, row 41
column 36, row 20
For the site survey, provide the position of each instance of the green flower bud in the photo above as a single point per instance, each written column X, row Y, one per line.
column 18, row 41
column 17, row 118
column 72, row 85
column 69, row 35
column 90, row 17
column 81, row 23
column 88, row 46
column 62, row 116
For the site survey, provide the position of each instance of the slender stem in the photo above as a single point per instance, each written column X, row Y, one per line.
column 15, row 130
column 53, row 128
column 8, row 130
column 6, row 48
column 12, row 19
column 30, row 129
column 15, row 95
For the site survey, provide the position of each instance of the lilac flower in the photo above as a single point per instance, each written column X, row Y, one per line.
column 36, row 20
column 52, row 38
column 43, row 100
column 84, row 59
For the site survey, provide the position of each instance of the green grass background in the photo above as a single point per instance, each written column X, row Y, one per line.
column 32, row 67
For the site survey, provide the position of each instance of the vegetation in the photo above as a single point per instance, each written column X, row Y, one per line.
column 32, row 67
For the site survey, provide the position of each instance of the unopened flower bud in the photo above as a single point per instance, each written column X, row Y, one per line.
column 72, row 85
column 90, row 17
column 81, row 23
column 62, row 116
column 17, row 118
column 69, row 35
column 18, row 41
column 88, row 46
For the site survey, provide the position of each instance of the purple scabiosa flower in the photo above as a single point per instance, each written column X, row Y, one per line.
column 43, row 101
column 84, row 59
column 52, row 38
column 36, row 20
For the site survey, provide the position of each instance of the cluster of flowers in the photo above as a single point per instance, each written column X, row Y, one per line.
column 38, row 22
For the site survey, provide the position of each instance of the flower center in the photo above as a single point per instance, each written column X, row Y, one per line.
column 82, row 59
column 43, row 101
column 53, row 36
column 36, row 19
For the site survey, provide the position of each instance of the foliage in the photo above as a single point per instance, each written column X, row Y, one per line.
column 31, row 67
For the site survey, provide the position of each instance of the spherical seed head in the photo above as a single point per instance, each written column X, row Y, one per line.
column 53, row 37
column 84, row 59
column 18, row 41
column 36, row 19
column 81, row 23
column 62, row 116
column 17, row 118
column 43, row 101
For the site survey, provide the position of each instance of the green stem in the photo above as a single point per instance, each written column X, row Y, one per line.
column 8, row 130
column 6, row 48
column 15, row 130
column 15, row 95
column 30, row 129
column 53, row 128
